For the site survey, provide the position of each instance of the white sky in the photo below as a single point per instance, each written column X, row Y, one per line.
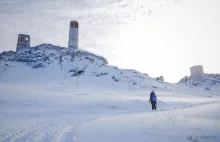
column 157, row 37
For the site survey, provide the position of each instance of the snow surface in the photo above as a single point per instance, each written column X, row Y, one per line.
column 52, row 94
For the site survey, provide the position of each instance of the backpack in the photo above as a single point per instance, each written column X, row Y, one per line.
column 154, row 97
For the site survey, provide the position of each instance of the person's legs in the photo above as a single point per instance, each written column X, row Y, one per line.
column 152, row 105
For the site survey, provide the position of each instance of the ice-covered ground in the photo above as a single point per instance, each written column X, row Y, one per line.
column 64, row 111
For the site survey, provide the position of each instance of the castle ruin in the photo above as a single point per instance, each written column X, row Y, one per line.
column 23, row 42
column 73, row 35
column 197, row 70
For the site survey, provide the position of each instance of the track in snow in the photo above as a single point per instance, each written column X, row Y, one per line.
column 65, row 129
column 58, row 130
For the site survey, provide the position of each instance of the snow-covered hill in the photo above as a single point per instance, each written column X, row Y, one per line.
column 50, row 93
column 47, row 62
column 198, row 80
column 204, row 82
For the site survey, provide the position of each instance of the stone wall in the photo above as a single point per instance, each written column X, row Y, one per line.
column 197, row 70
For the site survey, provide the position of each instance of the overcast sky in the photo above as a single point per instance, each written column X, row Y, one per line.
column 157, row 37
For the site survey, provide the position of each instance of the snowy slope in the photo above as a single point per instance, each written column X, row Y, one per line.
column 49, row 93
column 208, row 83
column 211, row 80
column 54, row 111
column 48, row 62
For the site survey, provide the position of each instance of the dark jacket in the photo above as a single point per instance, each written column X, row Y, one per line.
column 151, row 96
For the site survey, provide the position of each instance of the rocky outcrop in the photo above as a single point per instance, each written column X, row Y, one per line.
column 160, row 78
column 206, row 80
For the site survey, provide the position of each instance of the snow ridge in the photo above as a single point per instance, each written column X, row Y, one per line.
column 206, row 81
column 49, row 62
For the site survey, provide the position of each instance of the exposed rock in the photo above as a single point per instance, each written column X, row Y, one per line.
column 102, row 74
column 78, row 73
column 38, row 66
column 183, row 80
column 72, row 70
column 207, row 81
column 1, row 58
column 207, row 88
column 160, row 78
column 134, row 83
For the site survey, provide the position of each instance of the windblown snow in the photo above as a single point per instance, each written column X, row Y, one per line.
column 50, row 93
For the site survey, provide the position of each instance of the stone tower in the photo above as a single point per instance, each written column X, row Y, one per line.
column 73, row 35
column 23, row 42
column 196, row 70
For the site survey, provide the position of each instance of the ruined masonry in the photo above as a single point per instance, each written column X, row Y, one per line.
column 23, row 42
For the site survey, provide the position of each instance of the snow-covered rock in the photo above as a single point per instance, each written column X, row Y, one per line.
column 160, row 78
column 206, row 81
column 49, row 62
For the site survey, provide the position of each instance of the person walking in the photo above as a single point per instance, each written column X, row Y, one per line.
column 153, row 100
